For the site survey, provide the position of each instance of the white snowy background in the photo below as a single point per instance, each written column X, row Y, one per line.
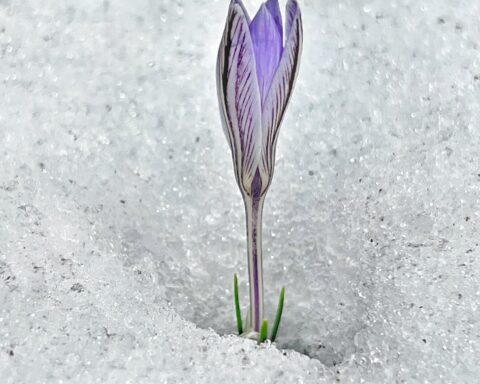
column 121, row 224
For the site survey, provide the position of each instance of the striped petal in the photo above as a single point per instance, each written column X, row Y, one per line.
column 292, row 11
column 240, row 3
column 280, row 91
column 239, row 96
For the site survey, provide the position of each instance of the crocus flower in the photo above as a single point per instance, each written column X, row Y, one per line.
column 256, row 72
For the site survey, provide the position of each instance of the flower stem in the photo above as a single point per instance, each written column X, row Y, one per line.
column 253, row 213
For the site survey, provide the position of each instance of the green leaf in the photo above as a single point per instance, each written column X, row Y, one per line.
column 263, row 332
column 238, row 312
column 278, row 316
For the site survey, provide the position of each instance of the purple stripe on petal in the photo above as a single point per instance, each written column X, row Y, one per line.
column 240, row 3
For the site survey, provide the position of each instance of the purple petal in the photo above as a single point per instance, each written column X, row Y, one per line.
column 239, row 96
column 274, row 9
column 267, row 43
column 282, row 86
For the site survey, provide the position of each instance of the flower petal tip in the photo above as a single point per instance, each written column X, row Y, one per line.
column 240, row 7
column 292, row 12
column 274, row 9
column 268, row 45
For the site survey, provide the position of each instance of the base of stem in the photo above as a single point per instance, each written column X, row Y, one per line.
column 250, row 334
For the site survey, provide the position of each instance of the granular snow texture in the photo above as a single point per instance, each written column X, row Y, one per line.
column 121, row 225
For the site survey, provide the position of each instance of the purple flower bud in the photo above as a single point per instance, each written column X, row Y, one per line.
column 256, row 73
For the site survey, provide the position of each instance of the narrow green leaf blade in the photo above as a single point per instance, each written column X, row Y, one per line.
column 278, row 316
column 238, row 312
column 263, row 332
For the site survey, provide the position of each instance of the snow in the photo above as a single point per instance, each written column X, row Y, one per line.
column 122, row 226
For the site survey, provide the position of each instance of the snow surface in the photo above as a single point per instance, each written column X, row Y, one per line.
column 122, row 226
